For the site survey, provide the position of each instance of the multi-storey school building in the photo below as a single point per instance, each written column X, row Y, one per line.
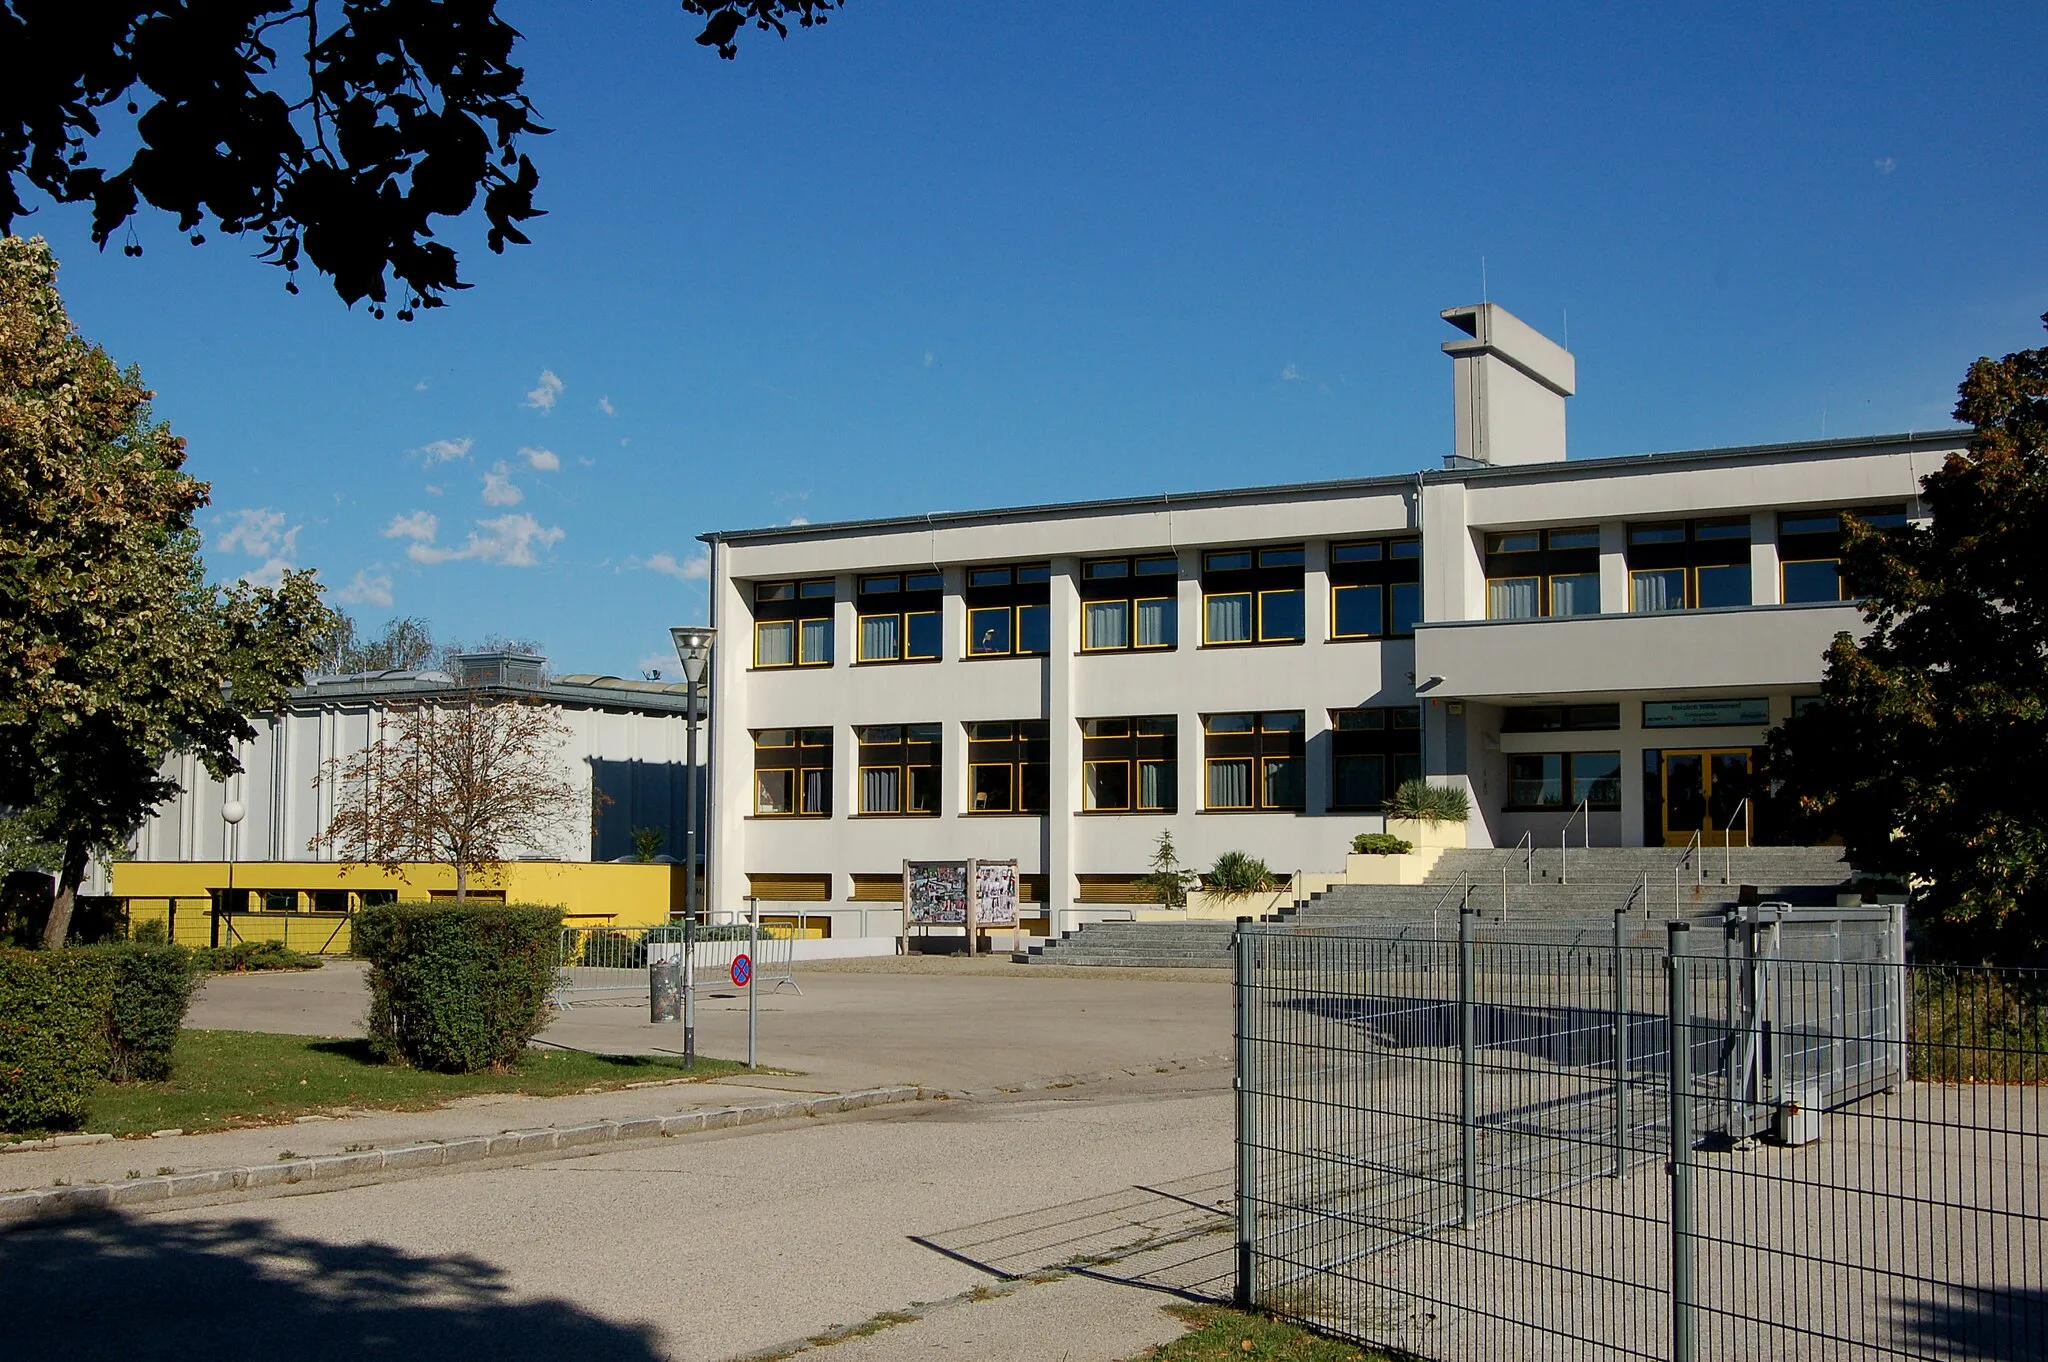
column 1600, row 644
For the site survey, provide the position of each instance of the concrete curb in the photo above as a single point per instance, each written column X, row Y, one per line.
column 372, row 1165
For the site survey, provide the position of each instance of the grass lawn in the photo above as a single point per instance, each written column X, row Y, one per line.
column 225, row 1079
column 1215, row 1333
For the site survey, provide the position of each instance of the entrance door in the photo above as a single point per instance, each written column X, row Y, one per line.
column 1704, row 794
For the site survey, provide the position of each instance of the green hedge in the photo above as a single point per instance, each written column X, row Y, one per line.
column 1380, row 844
column 152, row 988
column 457, row 988
column 54, row 1034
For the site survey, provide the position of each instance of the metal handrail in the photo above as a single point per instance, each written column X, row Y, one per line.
column 1526, row 844
column 1728, row 840
column 1461, row 887
column 1561, row 832
column 1642, row 886
column 1699, row 870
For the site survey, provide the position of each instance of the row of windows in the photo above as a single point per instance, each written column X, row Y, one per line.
column 1251, row 761
column 1127, row 604
column 1672, row 565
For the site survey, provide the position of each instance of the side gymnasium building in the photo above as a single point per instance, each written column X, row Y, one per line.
column 1600, row 644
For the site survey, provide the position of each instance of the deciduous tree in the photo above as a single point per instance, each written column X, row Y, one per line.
column 114, row 649
column 337, row 132
column 458, row 782
column 1927, row 752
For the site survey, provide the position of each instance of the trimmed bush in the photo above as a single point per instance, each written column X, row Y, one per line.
column 152, row 988
column 457, row 987
column 1432, row 804
column 1380, row 844
column 54, row 1015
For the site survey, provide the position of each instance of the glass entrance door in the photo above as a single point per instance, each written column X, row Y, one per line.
column 1704, row 793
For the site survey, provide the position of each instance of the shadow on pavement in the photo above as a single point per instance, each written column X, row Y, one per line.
column 139, row 1289
column 1982, row 1322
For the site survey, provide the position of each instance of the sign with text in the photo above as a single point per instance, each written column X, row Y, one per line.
column 1706, row 713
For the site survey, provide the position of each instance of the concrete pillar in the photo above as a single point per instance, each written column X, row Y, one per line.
column 1064, row 759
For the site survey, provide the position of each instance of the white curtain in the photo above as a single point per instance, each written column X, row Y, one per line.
column 881, row 790
column 1657, row 590
column 817, row 641
column 817, row 791
column 1155, row 785
column 880, row 637
column 1575, row 594
column 1108, row 624
column 1511, row 598
column 1230, row 619
column 1156, row 624
column 774, row 644
column 1230, row 783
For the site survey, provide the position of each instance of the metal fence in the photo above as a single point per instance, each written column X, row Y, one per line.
column 609, row 964
column 1487, row 1146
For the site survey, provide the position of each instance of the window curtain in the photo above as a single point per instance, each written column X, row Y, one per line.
column 1283, row 783
column 1511, row 598
column 1657, row 590
column 1575, row 594
column 817, row 641
column 880, row 790
column 1230, row 784
column 1230, row 619
column 879, row 637
column 1155, row 624
column 818, row 791
column 1155, row 785
column 774, row 645
column 1109, row 624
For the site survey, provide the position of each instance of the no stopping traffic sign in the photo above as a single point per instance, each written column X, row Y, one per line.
column 742, row 970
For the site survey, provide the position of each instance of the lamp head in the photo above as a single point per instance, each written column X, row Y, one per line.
column 693, row 648
column 233, row 811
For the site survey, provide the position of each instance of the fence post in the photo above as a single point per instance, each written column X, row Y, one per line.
column 1247, row 1187
column 1467, row 1093
column 1679, row 1026
column 1621, row 1040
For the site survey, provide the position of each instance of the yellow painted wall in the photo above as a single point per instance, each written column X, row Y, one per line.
column 590, row 894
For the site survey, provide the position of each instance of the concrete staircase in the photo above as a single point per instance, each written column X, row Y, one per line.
column 1596, row 881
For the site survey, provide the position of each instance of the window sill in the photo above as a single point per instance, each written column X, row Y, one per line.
column 1125, row 813
column 788, row 818
column 1367, row 638
column 884, row 662
column 1252, row 643
column 1126, row 652
column 1002, row 813
column 1293, row 813
column 1002, row 657
column 889, row 817
column 797, row 667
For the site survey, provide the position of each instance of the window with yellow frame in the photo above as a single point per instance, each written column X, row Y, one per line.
column 1253, row 596
column 1129, row 765
column 1008, row 766
column 1375, row 587
column 792, row 773
column 1254, row 761
column 899, row 616
column 793, row 623
column 1130, row 604
column 899, row 770
column 1009, row 610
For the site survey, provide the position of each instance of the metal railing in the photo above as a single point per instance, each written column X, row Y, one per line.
column 1728, row 841
column 1696, row 856
column 613, row 961
column 1460, row 1149
column 1582, row 811
column 1526, row 844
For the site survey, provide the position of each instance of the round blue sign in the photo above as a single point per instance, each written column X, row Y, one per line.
column 742, row 970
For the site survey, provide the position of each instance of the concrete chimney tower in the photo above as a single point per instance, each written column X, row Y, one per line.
column 1511, row 382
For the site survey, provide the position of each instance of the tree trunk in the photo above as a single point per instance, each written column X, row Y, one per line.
column 68, row 880
column 461, row 882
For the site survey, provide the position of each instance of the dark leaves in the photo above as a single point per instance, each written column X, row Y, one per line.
column 339, row 144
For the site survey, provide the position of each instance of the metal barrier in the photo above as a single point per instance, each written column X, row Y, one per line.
column 1455, row 1148
column 613, row 961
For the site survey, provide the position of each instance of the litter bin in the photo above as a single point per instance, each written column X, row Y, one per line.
column 664, row 981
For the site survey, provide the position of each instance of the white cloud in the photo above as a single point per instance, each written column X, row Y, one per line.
column 259, row 532
column 1886, row 164
column 604, row 404
column 927, row 359
column 508, row 540
column 586, row 462
column 420, row 386
column 420, row 526
column 694, row 569
column 432, row 490
column 367, row 590
column 499, row 489
column 1290, row 374
column 270, row 574
column 799, row 520
column 542, row 398
column 546, row 460
column 445, row 451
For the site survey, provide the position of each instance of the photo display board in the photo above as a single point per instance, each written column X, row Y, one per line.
column 935, row 893
column 995, row 893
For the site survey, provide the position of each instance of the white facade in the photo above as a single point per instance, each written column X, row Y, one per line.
column 1470, row 681
column 626, row 739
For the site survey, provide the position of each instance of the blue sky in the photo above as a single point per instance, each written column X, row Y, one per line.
column 938, row 256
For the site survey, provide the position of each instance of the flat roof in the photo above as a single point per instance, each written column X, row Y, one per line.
column 835, row 529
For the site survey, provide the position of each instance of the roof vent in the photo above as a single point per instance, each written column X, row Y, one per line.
column 1510, row 382
column 523, row 671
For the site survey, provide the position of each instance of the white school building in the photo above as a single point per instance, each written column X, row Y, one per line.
column 1600, row 643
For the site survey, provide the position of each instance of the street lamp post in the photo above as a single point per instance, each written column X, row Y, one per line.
column 693, row 649
column 231, row 813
